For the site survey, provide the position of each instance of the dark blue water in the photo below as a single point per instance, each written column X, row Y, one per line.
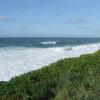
column 45, row 42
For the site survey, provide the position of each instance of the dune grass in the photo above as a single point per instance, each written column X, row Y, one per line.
column 67, row 79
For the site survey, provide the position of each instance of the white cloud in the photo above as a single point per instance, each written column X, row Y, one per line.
column 75, row 21
column 3, row 17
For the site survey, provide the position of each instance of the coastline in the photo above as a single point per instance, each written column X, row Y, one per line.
column 54, row 81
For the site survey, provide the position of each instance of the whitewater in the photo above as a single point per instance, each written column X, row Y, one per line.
column 15, row 61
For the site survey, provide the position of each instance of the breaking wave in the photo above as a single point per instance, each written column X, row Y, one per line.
column 49, row 42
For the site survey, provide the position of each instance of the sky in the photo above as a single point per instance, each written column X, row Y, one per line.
column 49, row 18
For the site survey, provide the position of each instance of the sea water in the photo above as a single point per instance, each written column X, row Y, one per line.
column 22, row 55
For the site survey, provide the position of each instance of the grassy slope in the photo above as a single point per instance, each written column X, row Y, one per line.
column 68, row 79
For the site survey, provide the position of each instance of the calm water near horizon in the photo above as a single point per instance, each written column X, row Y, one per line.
column 45, row 42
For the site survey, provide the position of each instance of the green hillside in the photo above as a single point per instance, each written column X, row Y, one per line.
column 67, row 79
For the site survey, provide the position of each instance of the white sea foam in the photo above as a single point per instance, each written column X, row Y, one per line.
column 16, row 61
column 49, row 42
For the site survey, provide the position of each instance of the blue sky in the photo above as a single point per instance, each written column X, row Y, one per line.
column 49, row 18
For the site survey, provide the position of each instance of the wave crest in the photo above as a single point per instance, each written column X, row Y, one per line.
column 49, row 42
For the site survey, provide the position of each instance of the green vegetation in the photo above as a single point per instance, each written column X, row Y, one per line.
column 67, row 79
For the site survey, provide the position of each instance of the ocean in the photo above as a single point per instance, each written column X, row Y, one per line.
column 21, row 55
